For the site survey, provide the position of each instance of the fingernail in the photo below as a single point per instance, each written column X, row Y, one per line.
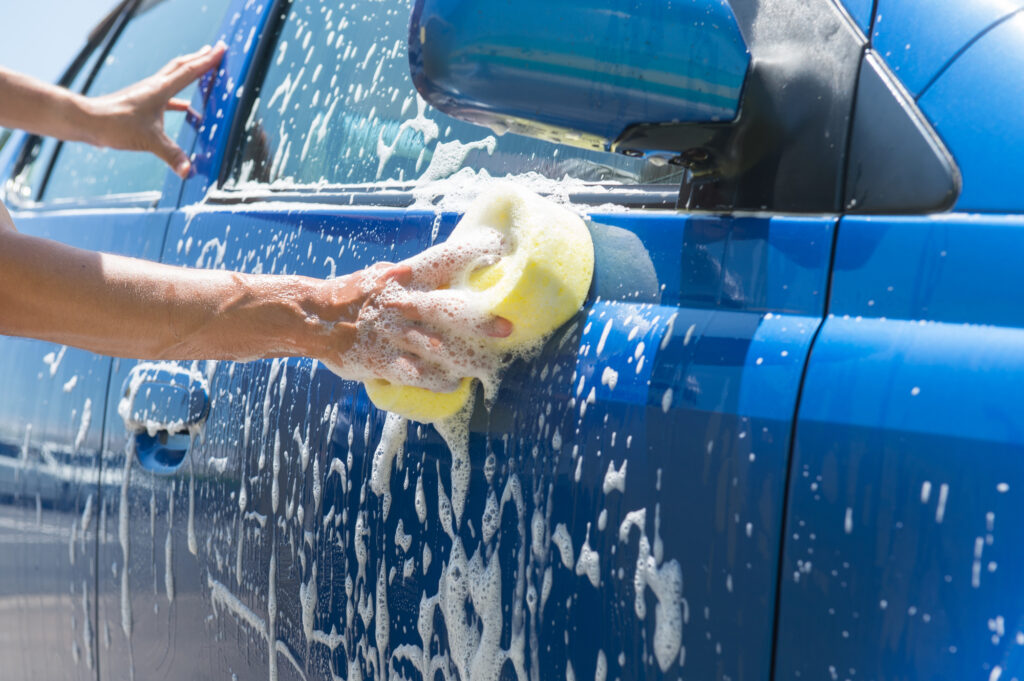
column 205, row 49
column 500, row 328
column 182, row 169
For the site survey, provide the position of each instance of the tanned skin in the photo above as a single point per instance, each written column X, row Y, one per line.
column 127, row 307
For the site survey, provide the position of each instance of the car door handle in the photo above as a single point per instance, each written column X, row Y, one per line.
column 162, row 406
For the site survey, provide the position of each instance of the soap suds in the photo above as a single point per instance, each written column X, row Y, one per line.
column 666, row 581
column 563, row 541
column 53, row 360
column 83, row 426
column 589, row 562
column 169, row 549
column 392, row 440
column 615, row 479
column 123, row 535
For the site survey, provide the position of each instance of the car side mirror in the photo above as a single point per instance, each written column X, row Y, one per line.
column 578, row 73
column 753, row 101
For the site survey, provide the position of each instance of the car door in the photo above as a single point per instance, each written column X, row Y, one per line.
column 623, row 513
column 119, row 202
column 902, row 531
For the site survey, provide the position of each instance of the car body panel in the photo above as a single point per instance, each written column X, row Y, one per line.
column 157, row 617
column 706, row 363
column 917, row 49
column 53, row 412
column 218, row 98
column 900, row 549
column 860, row 11
column 978, row 117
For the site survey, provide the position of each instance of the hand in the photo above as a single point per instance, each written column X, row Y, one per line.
column 133, row 118
column 406, row 328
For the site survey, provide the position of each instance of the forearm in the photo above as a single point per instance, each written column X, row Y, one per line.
column 44, row 109
column 132, row 308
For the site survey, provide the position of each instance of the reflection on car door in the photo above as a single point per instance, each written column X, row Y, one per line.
column 51, row 429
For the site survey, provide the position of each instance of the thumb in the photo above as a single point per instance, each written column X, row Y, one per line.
column 400, row 274
column 172, row 155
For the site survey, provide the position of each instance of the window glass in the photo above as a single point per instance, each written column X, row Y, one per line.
column 29, row 180
column 337, row 106
column 159, row 31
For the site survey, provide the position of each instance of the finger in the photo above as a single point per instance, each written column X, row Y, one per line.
column 172, row 155
column 442, row 264
column 192, row 68
column 409, row 369
column 194, row 117
column 177, row 105
column 423, row 343
column 497, row 327
column 448, row 309
column 179, row 61
column 400, row 274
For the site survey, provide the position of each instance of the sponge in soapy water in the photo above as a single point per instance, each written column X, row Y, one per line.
column 538, row 285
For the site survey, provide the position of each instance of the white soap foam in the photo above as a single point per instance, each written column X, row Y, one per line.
column 610, row 377
column 666, row 581
column 420, row 501
column 589, row 562
column 83, row 426
column 53, row 360
column 615, row 479
column 190, row 530
column 402, row 539
column 563, row 542
column 169, row 549
column 307, row 601
column 123, row 535
column 392, row 440
column 601, row 668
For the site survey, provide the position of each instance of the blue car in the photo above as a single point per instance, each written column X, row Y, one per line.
column 777, row 441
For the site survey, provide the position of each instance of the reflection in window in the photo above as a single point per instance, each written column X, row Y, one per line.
column 337, row 106
column 159, row 31
column 29, row 180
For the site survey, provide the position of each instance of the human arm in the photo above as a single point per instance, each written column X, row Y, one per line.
column 362, row 324
column 131, row 118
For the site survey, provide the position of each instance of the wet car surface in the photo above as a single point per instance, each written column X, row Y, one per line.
column 779, row 440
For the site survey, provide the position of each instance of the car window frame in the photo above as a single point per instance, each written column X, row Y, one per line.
column 382, row 193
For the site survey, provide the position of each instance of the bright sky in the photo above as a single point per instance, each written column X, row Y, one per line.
column 41, row 37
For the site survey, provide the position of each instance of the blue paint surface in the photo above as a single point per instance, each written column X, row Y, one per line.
column 860, row 10
column 975, row 107
column 914, row 268
column 918, row 40
column 900, row 549
column 663, row 379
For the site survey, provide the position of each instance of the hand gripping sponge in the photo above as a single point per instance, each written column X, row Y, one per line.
column 537, row 285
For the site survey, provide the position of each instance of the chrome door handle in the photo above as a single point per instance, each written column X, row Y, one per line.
column 162, row 405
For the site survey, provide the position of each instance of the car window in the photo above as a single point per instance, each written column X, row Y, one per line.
column 158, row 31
column 336, row 105
column 28, row 181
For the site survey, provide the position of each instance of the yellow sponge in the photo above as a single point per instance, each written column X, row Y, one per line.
column 418, row 404
column 538, row 285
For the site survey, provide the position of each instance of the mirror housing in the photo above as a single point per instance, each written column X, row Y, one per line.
column 578, row 73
